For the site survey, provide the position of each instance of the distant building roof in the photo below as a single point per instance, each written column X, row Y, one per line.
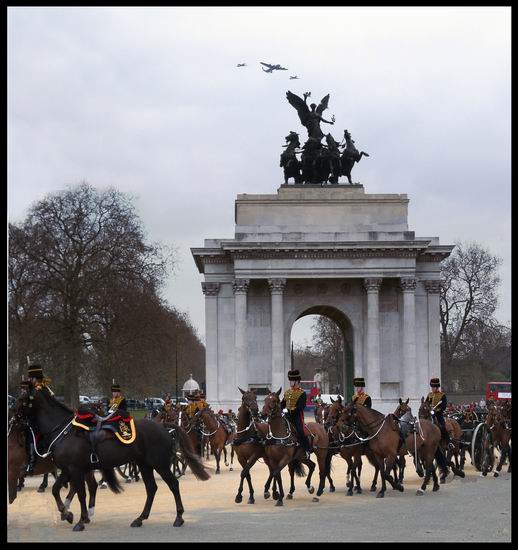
column 191, row 385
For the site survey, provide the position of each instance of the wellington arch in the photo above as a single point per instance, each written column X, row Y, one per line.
column 332, row 250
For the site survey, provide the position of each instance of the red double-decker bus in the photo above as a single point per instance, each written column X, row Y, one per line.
column 498, row 390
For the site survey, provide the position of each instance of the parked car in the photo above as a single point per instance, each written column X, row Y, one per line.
column 10, row 401
column 135, row 404
column 182, row 401
column 154, row 403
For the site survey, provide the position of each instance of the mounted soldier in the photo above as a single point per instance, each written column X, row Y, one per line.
column 438, row 401
column 295, row 401
column 360, row 397
column 118, row 401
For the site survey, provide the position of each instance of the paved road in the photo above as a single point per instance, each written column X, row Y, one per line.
column 474, row 509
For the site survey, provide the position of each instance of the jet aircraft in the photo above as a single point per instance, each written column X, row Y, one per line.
column 272, row 68
column 241, row 65
column 294, row 77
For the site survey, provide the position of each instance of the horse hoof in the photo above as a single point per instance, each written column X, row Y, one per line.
column 311, row 490
column 178, row 522
column 86, row 520
column 79, row 527
column 231, row 469
column 266, row 495
column 275, row 495
column 238, row 499
column 332, row 489
column 41, row 489
column 435, row 488
column 359, row 491
column 315, row 499
column 373, row 488
column 461, row 474
column 400, row 488
column 279, row 503
column 380, row 495
column 226, row 464
column 419, row 492
column 349, row 493
column 136, row 523
column 289, row 497
column 484, row 474
column 251, row 500
column 69, row 516
column 128, row 480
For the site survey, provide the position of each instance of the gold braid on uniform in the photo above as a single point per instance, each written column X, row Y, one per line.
column 435, row 398
column 360, row 398
column 291, row 397
column 115, row 402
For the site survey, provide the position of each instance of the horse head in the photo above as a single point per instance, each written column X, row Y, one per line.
column 249, row 401
column 333, row 412
column 402, row 408
column 272, row 405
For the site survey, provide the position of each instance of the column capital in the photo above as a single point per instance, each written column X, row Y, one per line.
column 408, row 284
column 433, row 286
column 240, row 285
column 210, row 289
column 372, row 284
column 277, row 285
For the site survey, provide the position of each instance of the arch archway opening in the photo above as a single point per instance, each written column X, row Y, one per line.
column 322, row 343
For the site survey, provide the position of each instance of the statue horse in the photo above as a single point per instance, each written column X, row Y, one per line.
column 452, row 450
column 350, row 155
column 315, row 168
column 282, row 448
column 72, row 452
column 216, row 435
column 289, row 160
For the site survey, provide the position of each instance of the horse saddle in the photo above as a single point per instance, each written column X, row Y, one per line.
column 119, row 423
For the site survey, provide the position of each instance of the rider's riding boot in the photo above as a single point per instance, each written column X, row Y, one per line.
column 32, row 461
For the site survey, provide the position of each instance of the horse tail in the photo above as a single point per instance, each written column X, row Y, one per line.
column 193, row 461
column 298, row 468
column 109, row 476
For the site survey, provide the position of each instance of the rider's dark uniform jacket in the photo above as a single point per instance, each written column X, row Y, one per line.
column 295, row 401
column 118, row 403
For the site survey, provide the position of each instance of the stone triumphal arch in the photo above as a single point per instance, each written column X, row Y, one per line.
column 335, row 251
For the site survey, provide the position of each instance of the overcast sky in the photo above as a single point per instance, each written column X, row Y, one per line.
column 150, row 101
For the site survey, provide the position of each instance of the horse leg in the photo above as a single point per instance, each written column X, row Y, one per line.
column 503, row 454
column 151, row 487
column 21, row 482
column 322, row 470
column 63, row 507
column 217, row 454
column 375, row 478
column 350, row 476
column 311, row 468
column 231, row 459
column 357, row 470
column 78, row 482
column 381, row 465
column 329, row 458
column 225, row 454
column 44, row 483
column 173, row 484
column 289, row 496
column 92, row 491
column 428, row 473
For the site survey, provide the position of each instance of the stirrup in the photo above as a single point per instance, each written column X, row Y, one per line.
column 94, row 459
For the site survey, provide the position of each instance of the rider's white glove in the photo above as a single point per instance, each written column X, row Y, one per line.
column 433, row 412
column 284, row 411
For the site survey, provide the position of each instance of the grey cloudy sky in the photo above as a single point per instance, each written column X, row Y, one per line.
column 150, row 101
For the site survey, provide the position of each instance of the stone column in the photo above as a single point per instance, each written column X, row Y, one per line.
column 434, row 331
column 277, row 290
column 240, row 288
column 372, row 374
column 211, row 291
column 410, row 368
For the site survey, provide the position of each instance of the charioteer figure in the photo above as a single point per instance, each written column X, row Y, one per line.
column 360, row 397
column 295, row 401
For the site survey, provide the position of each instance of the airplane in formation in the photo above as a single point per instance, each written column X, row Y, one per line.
column 294, row 77
column 241, row 65
column 272, row 68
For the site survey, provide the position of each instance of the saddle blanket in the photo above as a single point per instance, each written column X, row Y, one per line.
column 121, row 424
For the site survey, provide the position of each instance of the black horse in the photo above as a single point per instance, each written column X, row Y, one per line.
column 71, row 448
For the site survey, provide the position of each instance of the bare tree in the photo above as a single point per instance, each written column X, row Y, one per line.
column 329, row 344
column 73, row 245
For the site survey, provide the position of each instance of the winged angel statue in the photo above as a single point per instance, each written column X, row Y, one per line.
column 311, row 119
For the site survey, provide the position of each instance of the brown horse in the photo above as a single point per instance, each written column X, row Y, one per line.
column 248, row 444
column 321, row 412
column 282, row 447
column 498, row 421
column 216, row 434
column 421, row 440
column 453, row 449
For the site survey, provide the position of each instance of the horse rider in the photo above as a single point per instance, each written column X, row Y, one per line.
column 118, row 401
column 437, row 400
column 197, row 403
column 224, row 420
column 360, row 397
column 295, row 401
column 37, row 380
